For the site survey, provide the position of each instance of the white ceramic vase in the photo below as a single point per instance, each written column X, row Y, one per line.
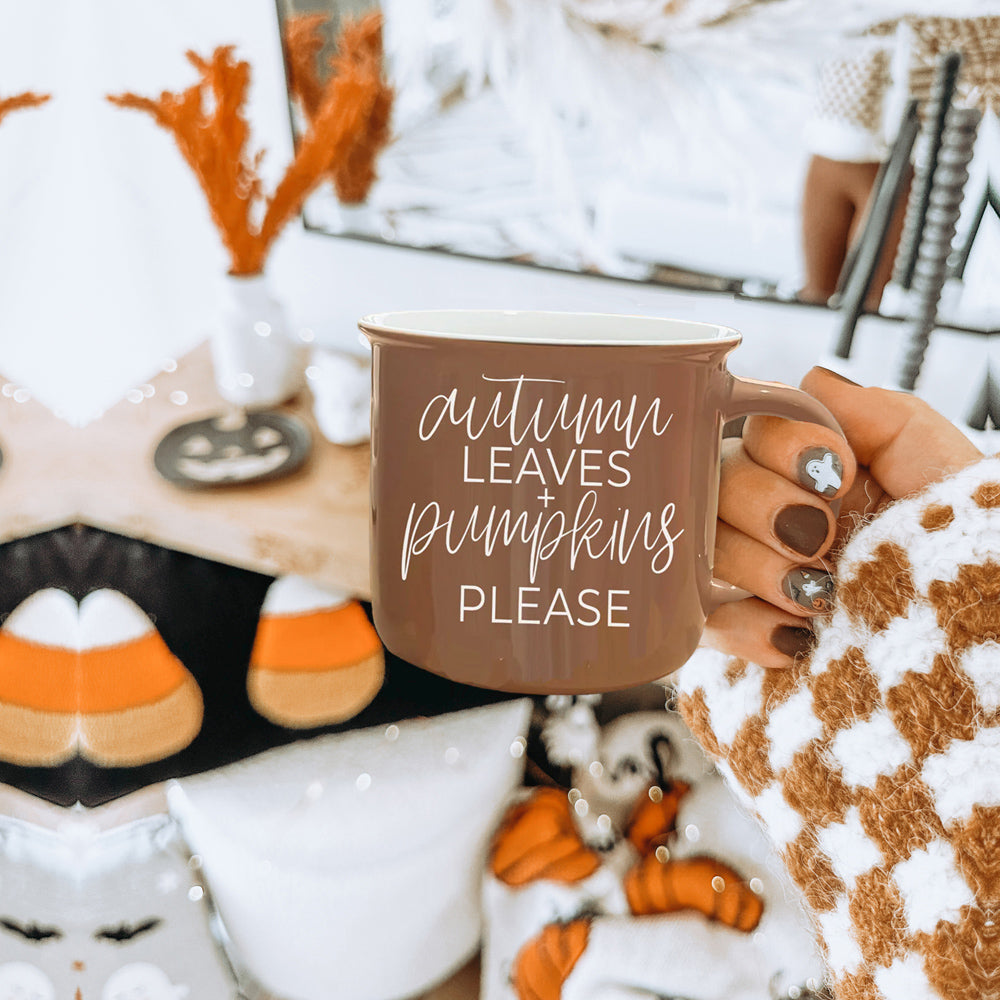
column 257, row 362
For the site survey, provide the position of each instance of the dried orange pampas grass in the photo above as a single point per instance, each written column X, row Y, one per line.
column 209, row 125
column 19, row 101
column 359, row 49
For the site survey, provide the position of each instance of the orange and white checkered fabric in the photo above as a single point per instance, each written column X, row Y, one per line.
column 874, row 764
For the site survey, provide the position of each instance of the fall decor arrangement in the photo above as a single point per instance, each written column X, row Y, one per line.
column 632, row 871
column 257, row 363
column 359, row 45
column 208, row 123
column 18, row 102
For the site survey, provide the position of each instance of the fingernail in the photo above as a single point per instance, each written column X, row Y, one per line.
column 837, row 376
column 821, row 470
column 792, row 641
column 811, row 589
column 733, row 428
column 801, row 527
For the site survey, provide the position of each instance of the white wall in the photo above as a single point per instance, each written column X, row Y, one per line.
column 108, row 261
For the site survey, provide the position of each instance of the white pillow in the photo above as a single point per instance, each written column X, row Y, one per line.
column 349, row 865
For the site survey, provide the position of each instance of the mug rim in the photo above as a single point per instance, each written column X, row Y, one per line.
column 407, row 324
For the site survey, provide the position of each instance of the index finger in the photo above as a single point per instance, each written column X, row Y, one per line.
column 905, row 444
column 816, row 458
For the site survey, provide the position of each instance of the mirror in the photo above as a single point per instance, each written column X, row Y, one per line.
column 658, row 142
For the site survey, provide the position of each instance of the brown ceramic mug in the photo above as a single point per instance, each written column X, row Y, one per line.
column 544, row 491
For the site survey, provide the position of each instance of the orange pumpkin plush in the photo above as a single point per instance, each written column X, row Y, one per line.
column 701, row 884
column 544, row 964
column 539, row 840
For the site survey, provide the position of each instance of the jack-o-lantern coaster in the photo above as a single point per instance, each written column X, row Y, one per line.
column 233, row 449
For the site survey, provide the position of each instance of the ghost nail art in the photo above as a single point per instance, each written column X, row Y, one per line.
column 821, row 470
column 811, row 589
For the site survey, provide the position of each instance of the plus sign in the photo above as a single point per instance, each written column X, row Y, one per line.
column 546, row 497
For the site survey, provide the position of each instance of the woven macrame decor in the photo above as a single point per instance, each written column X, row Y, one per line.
column 874, row 764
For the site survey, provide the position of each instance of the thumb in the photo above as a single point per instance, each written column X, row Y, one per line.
column 904, row 443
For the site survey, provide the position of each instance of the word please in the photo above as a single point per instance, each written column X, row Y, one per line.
column 527, row 607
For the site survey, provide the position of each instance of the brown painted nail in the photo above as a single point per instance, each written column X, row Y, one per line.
column 811, row 589
column 733, row 428
column 837, row 376
column 821, row 470
column 792, row 641
column 801, row 527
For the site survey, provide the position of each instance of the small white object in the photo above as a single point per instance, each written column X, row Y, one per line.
column 141, row 981
column 254, row 368
column 341, row 385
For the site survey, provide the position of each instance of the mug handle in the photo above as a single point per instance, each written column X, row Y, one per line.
column 749, row 396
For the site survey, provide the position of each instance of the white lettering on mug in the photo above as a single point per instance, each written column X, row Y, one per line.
column 541, row 446
column 532, row 606
column 544, row 535
column 582, row 466
column 586, row 415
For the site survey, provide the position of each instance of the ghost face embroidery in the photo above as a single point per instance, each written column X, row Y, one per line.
column 118, row 914
column 220, row 451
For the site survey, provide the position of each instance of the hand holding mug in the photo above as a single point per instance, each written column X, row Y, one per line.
column 776, row 530
column 545, row 489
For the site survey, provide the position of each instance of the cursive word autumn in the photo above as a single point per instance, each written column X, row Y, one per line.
column 582, row 535
column 509, row 411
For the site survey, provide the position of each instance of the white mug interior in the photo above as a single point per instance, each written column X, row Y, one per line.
column 514, row 326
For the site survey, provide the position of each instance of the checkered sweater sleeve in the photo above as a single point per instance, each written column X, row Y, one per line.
column 874, row 763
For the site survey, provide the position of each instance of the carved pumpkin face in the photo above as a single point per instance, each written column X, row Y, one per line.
column 225, row 450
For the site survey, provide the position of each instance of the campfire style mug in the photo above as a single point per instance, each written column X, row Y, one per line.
column 545, row 489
